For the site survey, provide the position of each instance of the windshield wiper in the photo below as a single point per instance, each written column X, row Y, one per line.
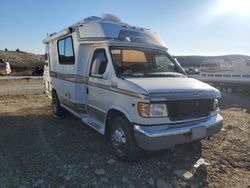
column 152, row 74
column 164, row 74
column 137, row 75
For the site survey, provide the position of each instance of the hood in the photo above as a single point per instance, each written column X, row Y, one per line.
column 172, row 87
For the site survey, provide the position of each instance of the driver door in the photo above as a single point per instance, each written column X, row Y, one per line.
column 98, row 88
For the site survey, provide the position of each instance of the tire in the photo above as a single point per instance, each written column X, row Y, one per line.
column 123, row 141
column 57, row 110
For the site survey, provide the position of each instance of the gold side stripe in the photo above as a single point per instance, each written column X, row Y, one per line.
column 85, row 80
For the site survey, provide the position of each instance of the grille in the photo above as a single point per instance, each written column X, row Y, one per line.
column 188, row 109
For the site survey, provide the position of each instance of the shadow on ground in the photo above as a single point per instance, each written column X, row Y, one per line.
column 40, row 150
column 237, row 100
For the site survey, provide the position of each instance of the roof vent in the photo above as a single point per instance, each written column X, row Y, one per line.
column 92, row 18
column 110, row 17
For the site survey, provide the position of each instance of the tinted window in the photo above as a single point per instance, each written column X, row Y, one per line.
column 143, row 63
column 99, row 62
column 140, row 37
column 66, row 51
column 163, row 62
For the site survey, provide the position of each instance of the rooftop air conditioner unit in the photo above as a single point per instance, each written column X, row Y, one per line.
column 110, row 17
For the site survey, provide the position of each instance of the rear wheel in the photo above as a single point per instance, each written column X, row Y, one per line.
column 122, row 140
column 56, row 107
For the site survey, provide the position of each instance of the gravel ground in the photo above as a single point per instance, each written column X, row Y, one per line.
column 16, row 85
column 38, row 150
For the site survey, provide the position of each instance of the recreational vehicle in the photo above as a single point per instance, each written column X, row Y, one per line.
column 227, row 75
column 5, row 68
column 121, row 81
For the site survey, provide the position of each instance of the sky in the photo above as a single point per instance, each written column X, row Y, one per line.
column 188, row 27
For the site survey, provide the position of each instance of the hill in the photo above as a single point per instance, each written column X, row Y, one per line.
column 195, row 61
column 22, row 63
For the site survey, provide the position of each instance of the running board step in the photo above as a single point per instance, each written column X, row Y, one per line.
column 98, row 126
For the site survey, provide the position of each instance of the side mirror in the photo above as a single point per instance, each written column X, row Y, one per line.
column 192, row 71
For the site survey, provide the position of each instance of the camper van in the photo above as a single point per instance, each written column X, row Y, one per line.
column 121, row 81
column 5, row 68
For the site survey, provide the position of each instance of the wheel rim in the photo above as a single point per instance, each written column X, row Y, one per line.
column 118, row 140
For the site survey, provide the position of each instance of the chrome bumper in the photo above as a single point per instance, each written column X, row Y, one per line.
column 162, row 136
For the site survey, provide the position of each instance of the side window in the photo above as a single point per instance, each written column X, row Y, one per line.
column 99, row 63
column 66, row 51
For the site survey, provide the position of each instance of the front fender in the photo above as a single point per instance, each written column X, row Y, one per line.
column 122, row 110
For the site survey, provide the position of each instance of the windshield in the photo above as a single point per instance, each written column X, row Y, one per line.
column 131, row 62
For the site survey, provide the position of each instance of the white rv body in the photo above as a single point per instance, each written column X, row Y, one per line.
column 5, row 68
column 84, row 80
column 70, row 81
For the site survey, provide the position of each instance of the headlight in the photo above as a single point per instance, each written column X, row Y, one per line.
column 152, row 110
column 216, row 105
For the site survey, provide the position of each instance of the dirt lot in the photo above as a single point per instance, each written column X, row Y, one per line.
column 38, row 150
column 11, row 85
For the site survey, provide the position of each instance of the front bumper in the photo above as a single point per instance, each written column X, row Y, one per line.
column 154, row 138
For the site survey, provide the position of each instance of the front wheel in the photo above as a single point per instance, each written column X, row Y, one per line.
column 122, row 140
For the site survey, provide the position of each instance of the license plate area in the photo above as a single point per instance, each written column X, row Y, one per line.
column 199, row 132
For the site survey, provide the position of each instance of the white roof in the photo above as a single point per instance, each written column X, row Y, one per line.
column 108, row 27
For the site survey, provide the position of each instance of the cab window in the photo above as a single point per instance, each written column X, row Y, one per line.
column 99, row 63
column 163, row 62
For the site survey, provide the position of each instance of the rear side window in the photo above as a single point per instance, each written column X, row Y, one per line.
column 66, row 51
column 99, row 63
